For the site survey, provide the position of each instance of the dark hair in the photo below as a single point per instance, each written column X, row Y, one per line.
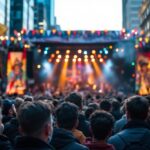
column 32, row 116
column 6, row 106
column 67, row 115
column 101, row 124
column 137, row 107
column 75, row 99
column 94, row 106
column 28, row 98
column 88, row 112
column 105, row 105
column 18, row 103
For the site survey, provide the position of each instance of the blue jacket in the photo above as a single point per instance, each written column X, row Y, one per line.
column 133, row 131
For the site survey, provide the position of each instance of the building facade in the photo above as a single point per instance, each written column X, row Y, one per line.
column 131, row 19
column 21, row 15
column 2, row 12
column 145, row 17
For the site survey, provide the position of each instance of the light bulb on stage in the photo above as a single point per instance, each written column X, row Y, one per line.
column 79, row 51
column 79, row 59
column 93, row 51
column 92, row 56
column 66, row 60
column 86, row 56
column 57, row 60
column 93, row 60
column 68, row 52
column 86, row 60
column 59, row 56
column 75, row 56
column 74, row 60
column 57, row 52
column 67, row 56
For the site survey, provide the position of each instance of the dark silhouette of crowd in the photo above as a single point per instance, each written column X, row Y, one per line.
column 75, row 121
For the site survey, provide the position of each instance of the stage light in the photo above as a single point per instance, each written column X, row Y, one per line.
column 101, row 60
column 79, row 59
column 41, row 31
column 53, row 55
column 93, row 51
column 140, row 39
column 57, row 60
column 66, row 60
column 85, row 52
column 91, row 56
column 117, row 50
column 128, row 35
column 12, row 38
column 75, row 56
column 67, row 56
column 74, row 60
column 147, row 39
column 59, row 56
column 122, row 50
column 106, row 52
column 136, row 46
column 57, row 52
column 93, row 60
column 94, row 87
column 123, row 30
column 38, row 66
column 79, row 51
column 39, row 50
column 110, row 47
column 99, row 55
column 85, row 60
column 68, row 52
column 101, row 52
column 45, row 52
column 133, row 63
column 19, row 38
column 86, row 56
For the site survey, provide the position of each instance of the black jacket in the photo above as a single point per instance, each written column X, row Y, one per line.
column 84, row 125
column 30, row 143
column 64, row 140
column 11, row 130
column 5, row 143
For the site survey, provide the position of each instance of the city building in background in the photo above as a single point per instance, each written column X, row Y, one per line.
column 21, row 15
column 131, row 19
column 145, row 17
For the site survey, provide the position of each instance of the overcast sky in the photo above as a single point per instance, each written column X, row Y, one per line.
column 89, row 14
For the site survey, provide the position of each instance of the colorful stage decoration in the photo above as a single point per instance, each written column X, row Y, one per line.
column 21, row 38
column 16, row 73
column 143, row 73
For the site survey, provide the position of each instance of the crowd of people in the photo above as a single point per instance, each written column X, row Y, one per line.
column 75, row 122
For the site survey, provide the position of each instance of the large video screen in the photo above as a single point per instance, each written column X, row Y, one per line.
column 16, row 73
column 143, row 74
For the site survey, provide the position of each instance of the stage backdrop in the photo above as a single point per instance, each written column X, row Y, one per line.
column 143, row 73
column 16, row 73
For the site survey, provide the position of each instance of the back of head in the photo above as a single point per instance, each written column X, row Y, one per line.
column 137, row 108
column 67, row 115
column 105, row 105
column 6, row 106
column 75, row 99
column 28, row 98
column 18, row 102
column 33, row 116
column 101, row 124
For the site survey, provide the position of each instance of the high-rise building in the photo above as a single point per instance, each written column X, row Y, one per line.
column 2, row 12
column 131, row 18
column 44, row 17
column 21, row 15
column 145, row 17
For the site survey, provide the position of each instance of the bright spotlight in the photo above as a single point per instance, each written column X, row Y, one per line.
column 67, row 56
column 75, row 56
column 93, row 51
column 57, row 60
column 101, row 52
column 74, row 60
column 79, row 59
column 92, row 56
column 47, row 66
column 86, row 56
column 59, row 56
column 85, row 52
column 79, row 51
column 66, row 60
column 68, row 51
column 53, row 55
column 93, row 60
column 101, row 60
column 106, row 52
column 45, row 52
column 38, row 66
column 85, row 60
column 57, row 52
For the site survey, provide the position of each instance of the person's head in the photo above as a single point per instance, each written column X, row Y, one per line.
column 1, row 124
column 18, row 102
column 35, row 120
column 88, row 112
column 101, row 125
column 105, row 105
column 137, row 108
column 67, row 116
column 115, row 105
column 75, row 98
column 94, row 106
column 8, row 108
column 28, row 98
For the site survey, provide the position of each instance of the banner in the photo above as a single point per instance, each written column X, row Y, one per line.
column 143, row 73
column 16, row 73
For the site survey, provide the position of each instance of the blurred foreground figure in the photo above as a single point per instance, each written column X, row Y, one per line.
column 35, row 122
